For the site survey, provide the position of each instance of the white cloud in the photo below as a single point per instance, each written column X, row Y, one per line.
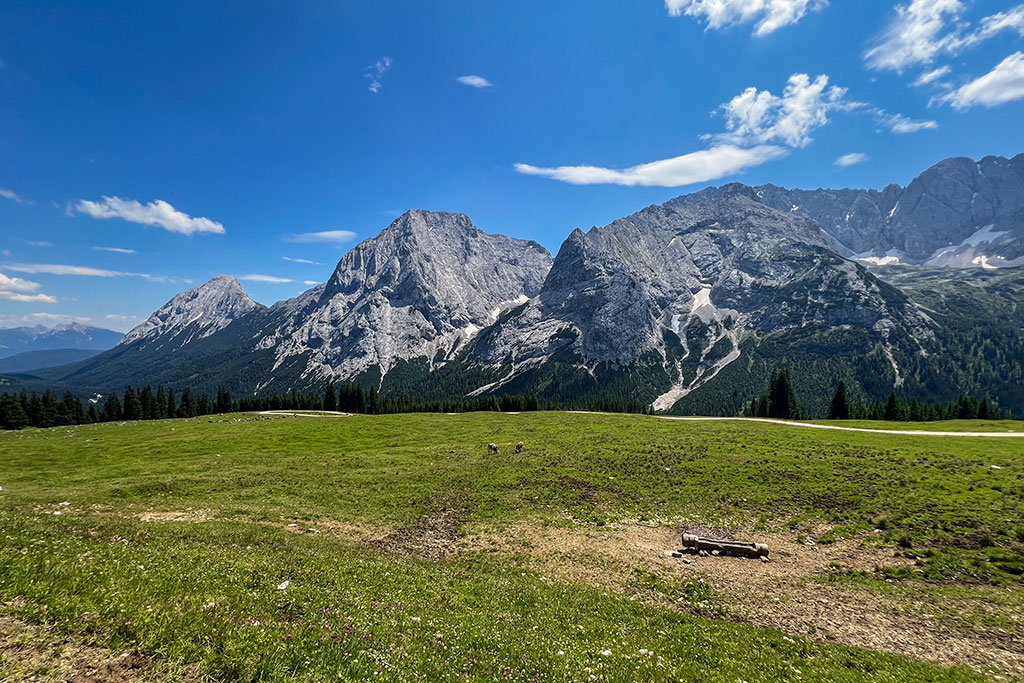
column 923, row 30
column 325, row 237
column 760, row 127
column 310, row 282
column 59, row 318
column 760, row 117
column 1005, row 83
column 929, row 77
column 10, row 194
column 86, row 271
column 116, row 250
column 40, row 244
column 771, row 15
column 122, row 323
column 271, row 279
column 301, row 260
column 475, row 81
column 22, row 291
column 158, row 213
column 902, row 125
column 696, row 167
column 376, row 72
column 851, row 159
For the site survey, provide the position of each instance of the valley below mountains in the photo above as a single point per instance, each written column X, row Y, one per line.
column 688, row 306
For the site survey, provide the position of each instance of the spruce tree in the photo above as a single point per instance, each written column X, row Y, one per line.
column 172, row 405
column 983, row 410
column 92, row 415
column 112, row 409
column 148, row 403
column 12, row 414
column 782, row 399
column 48, row 409
column 160, row 404
column 330, row 397
column 132, row 404
column 840, row 409
column 892, row 408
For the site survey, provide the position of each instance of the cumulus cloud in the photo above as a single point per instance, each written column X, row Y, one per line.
column 10, row 194
column 1005, row 83
column 22, row 291
column 116, row 250
column 903, row 125
column 760, row 117
column 301, row 260
column 158, row 213
column 324, row 237
column 475, row 81
column 270, row 279
column 851, row 159
column 760, row 127
column 696, row 167
column 921, row 31
column 770, row 15
column 376, row 72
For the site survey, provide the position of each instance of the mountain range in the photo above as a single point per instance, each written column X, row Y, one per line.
column 687, row 306
column 18, row 340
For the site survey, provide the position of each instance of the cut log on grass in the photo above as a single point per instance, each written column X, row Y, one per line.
column 715, row 545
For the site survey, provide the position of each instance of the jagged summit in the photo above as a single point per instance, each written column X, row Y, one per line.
column 200, row 311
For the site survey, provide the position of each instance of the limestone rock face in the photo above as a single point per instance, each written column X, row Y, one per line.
column 195, row 314
column 425, row 285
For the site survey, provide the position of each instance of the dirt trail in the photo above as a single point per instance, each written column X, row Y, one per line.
column 781, row 594
column 865, row 430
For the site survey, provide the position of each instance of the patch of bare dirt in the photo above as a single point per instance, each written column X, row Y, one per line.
column 781, row 593
column 30, row 652
column 434, row 536
column 188, row 516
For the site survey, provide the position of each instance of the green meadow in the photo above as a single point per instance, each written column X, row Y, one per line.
column 249, row 548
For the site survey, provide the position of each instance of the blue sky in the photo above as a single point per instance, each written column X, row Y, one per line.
column 204, row 138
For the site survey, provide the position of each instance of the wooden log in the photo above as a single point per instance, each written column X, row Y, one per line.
column 724, row 546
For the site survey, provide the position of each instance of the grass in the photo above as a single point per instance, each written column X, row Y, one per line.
column 207, row 593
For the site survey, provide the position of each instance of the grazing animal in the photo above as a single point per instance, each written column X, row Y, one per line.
column 519, row 447
column 492, row 448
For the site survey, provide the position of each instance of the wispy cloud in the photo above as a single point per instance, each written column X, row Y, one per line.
column 760, row 127
column 770, row 15
column 85, row 271
column 1005, row 83
column 376, row 72
column 851, row 159
column 921, row 31
column 58, row 318
column 40, row 243
column 324, row 237
column 475, row 81
column 903, row 125
column 116, row 250
column 302, row 260
column 159, row 214
column 929, row 77
column 310, row 282
column 122, row 323
column 270, row 279
column 22, row 291
column 10, row 194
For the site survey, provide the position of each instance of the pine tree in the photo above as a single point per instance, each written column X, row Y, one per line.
column 188, row 404
column 160, row 404
column 330, row 397
column 132, row 404
column 112, row 409
column 783, row 403
column 48, row 412
column 92, row 415
column 840, row 409
column 172, row 405
column 892, row 408
column 148, row 403
column 12, row 414
column 983, row 410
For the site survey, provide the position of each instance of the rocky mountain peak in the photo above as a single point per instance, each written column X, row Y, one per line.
column 202, row 311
